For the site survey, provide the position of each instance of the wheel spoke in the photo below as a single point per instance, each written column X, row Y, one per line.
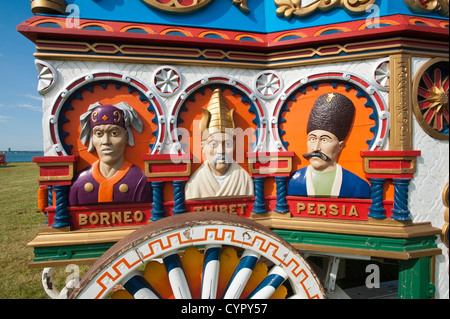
column 272, row 282
column 139, row 288
column 178, row 282
column 241, row 275
column 211, row 266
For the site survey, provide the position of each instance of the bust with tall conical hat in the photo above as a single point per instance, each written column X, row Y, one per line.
column 217, row 116
column 219, row 175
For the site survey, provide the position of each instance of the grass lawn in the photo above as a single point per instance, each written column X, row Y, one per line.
column 19, row 224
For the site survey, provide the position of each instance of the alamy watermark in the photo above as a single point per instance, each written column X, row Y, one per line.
column 73, row 18
column 373, row 279
column 373, row 19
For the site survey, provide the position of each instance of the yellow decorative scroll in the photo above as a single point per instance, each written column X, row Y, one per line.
column 48, row 6
column 174, row 6
column 290, row 8
column 242, row 5
column 429, row 6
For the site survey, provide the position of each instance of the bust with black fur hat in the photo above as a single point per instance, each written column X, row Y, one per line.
column 328, row 127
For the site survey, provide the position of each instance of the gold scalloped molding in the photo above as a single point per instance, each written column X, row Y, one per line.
column 290, row 8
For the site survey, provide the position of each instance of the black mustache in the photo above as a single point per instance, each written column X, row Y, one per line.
column 317, row 154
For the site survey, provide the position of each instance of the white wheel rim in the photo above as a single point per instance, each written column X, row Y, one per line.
column 287, row 262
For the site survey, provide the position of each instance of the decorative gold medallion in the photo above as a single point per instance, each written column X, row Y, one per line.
column 177, row 6
column 123, row 188
column 89, row 187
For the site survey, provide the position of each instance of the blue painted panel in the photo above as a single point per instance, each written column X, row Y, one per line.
column 222, row 14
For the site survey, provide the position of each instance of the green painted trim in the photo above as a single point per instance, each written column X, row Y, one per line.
column 58, row 253
column 357, row 241
column 415, row 279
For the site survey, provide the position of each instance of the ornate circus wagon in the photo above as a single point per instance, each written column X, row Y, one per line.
column 234, row 148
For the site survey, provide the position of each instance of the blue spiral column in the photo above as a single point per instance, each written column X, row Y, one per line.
column 178, row 197
column 50, row 195
column 50, row 198
column 259, row 206
column 158, row 201
column 377, row 209
column 400, row 211
column 281, row 206
column 62, row 217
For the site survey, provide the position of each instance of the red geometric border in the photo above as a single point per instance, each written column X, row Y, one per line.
column 227, row 237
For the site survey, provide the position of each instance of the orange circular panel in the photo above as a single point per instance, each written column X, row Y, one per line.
column 109, row 95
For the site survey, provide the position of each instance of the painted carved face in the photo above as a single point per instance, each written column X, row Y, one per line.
column 109, row 142
column 323, row 142
column 218, row 150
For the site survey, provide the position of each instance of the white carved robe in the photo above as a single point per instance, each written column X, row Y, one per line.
column 203, row 185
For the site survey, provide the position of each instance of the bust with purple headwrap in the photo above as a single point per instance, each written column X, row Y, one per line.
column 107, row 130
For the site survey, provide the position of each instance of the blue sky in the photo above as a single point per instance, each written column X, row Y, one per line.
column 20, row 103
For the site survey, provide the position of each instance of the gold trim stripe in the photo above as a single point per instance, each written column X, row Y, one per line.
column 247, row 65
column 237, row 58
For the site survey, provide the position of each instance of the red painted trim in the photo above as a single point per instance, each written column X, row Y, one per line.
column 390, row 176
column 164, row 157
column 391, row 153
column 55, row 159
column 168, row 179
column 111, row 215
column 270, row 154
column 403, row 25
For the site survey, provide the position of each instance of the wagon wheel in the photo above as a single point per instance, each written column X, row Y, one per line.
column 202, row 255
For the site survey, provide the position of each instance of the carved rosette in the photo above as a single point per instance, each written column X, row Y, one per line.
column 268, row 84
column 431, row 98
column 290, row 8
column 47, row 76
column 382, row 75
column 166, row 80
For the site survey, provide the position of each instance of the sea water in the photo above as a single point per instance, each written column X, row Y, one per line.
column 14, row 157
